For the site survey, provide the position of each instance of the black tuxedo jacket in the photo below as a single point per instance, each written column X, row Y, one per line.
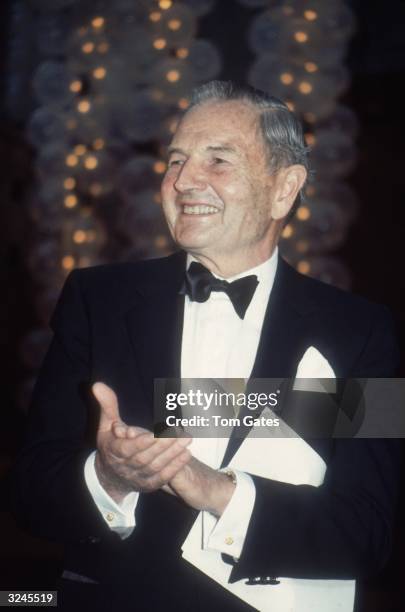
column 121, row 324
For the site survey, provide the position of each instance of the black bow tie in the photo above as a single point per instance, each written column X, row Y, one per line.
column 199, row 282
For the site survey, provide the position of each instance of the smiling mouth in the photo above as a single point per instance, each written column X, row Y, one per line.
column 199, row 209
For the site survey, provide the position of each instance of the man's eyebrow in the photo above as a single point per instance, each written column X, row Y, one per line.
column 224, row 148
column 220, row 148
column 171, row 150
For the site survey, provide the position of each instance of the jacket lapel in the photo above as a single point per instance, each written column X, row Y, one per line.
column 155, row 322
column 285, row 331
column 284, row 337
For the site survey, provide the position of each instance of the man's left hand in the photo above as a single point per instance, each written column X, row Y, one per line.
column 201, row 487
column 197, row 484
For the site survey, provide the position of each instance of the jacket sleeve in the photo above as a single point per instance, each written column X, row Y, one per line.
column 343, row 528
column 50, row 497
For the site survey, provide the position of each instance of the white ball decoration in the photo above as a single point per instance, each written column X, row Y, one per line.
column 51, row 35
column 138, row 174
column 334, row 153
column 46, row 125
column 265, row 31
column 51, row 84
column 142, row 119
column 204, row 60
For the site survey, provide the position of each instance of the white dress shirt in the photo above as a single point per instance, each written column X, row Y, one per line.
column 216, row 343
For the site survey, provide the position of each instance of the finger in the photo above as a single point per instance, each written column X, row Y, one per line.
column 175, row 467
column 109, row 411
column 132, row 432
column 119, row 429
column 161, row 480
column 157, row 457
column 124, row 448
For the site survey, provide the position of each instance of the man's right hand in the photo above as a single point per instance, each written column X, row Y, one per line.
column 131, row 458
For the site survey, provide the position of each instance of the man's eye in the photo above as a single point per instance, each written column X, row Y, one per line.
column 175, row 162
column 219, row 160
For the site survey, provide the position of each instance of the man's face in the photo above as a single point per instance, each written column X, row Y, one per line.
column 217, row 190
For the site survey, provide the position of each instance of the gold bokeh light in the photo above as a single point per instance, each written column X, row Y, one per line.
column 311, row 67
column 183, row 103
column 301, row 37
column 182, row 52
column 155, row 16
column 88, row 47
column 173, row 76
column 68, row 262
column 90, row 162
column 174, row 24
column 72, row 160
column 304, row 267
column 98, row 144
column 159, row 167
column 97, row 22
column 69, row 182
column 75, row 86
column 288, row 231
column 310, row 15
column 99, row 73
column 160, row 43
column 303, row 213
column 80, row 149
column 70, row 201
column 79, row 236
column 310, row 139
column 286, row 78
column 305, row 87
column 83, row 106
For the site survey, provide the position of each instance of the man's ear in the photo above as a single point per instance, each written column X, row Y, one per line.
column 286, row 188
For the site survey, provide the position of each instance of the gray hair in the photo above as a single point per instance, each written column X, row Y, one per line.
column 281, row 129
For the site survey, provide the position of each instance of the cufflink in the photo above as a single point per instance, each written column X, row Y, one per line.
column 270, row 580
column 262, row 580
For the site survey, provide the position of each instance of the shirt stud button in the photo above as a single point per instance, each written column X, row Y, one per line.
column 110, row 516
column 229, row 540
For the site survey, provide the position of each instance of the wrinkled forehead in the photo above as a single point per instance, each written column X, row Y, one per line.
column 234, row 119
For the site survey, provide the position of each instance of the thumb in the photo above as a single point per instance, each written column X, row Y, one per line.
column 108, row 401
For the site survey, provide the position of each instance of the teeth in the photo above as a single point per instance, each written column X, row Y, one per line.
column 200, row 210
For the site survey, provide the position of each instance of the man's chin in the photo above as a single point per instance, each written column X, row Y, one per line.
column 191, row 246
column 192, row 241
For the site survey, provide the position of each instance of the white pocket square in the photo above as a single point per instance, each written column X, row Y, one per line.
column 313, row 366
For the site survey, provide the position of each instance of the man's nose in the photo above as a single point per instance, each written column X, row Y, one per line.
column 191, row 176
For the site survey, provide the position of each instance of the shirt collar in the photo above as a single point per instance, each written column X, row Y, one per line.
column 265, row 271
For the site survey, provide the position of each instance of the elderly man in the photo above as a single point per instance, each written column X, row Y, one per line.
column 125, row 502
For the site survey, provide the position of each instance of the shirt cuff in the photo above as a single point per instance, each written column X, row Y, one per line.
column 119, row 517
column 227, row 534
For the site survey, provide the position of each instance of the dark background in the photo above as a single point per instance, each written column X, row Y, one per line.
column 373, row 251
